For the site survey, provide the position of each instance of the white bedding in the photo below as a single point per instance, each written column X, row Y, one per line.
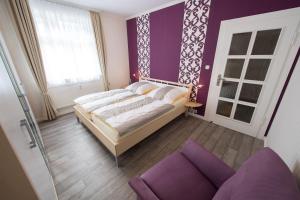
column 127, row 116
column 99, row 95
column 121, row 107
column 93, row 105
column 128, row 121
column 115, row 135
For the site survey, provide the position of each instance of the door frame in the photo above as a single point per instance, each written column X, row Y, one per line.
column 293, row 15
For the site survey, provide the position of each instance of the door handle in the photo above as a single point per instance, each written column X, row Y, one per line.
column 32, row 143
column 219, row 79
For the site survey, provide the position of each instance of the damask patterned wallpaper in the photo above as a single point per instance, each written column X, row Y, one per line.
column 143, row 45
column 195, row 21
column 183, row 39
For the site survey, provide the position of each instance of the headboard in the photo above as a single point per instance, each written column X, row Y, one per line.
column 189, row 87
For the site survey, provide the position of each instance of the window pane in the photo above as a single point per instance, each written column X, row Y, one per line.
column 67, row 43
column 224, row 108
column 244, row 113
column 265, row 42
column 239, row 43
column 250, row 92
column 257, row 69
column 234, row 68
column 228, row 89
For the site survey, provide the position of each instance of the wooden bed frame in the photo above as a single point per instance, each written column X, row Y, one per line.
column 128, row 141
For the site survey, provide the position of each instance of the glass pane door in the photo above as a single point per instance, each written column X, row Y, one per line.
column 248, row 61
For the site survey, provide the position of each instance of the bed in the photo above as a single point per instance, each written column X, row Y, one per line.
column 108, row 122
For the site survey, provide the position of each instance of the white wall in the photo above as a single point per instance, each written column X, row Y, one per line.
column 284, row 135
column 115, row 40
column 63, row 96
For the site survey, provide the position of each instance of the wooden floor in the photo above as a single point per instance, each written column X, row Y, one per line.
column 84, row 169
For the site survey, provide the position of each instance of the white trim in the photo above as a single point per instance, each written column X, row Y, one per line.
column 250, row 56
column 165, row 5
column 87, row 8
column 243, row 73
column 75, row 5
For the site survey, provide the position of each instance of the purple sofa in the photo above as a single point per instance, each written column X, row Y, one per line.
column 195, row 173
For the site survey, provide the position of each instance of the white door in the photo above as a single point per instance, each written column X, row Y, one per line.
column 17, row 129
column 250, row 64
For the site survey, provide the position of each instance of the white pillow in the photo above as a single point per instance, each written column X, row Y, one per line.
column 141, row 87
column 152, row 93
column 160, row 92
column 134, row 86
column 174, row 95
column 144, row 89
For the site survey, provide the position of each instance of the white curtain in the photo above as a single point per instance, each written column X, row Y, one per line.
column 67, row 43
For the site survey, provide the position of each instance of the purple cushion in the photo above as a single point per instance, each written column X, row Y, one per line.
column 213, row 168
column 176, row 178
column 141, row 189
column 262, row 177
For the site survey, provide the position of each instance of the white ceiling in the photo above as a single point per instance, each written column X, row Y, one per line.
column 121, row 7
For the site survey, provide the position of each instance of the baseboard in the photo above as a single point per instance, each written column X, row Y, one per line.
column 65, row 110
column 197, row 116
column 60, row 112
column 39, row 120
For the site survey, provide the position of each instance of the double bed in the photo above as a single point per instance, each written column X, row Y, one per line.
column 122, row 118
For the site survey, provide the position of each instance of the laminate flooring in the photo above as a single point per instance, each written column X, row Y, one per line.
column 84, row 169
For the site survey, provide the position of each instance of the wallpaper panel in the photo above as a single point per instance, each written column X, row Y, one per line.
column 143, row 45
column 132, row 48
column 166, row 33
column 196, row 13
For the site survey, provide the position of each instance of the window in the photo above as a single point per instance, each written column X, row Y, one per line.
column 67, row 43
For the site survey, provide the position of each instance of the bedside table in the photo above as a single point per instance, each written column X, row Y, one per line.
column 190, row 105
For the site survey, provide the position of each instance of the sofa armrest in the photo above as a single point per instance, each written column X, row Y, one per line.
column 211, row 166
column 142, row 190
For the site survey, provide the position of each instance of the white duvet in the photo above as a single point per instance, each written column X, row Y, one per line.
column 128, row 121
column 96, row 104
column 121, row 107
column 99, row 95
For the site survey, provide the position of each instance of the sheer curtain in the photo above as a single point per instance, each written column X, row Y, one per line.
column 67, row 43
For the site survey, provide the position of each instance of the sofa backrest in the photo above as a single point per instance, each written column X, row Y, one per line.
column 263, row 176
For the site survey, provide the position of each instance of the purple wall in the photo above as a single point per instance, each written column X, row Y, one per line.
column 165, row 42
column 132, row 47
column 163, row 55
